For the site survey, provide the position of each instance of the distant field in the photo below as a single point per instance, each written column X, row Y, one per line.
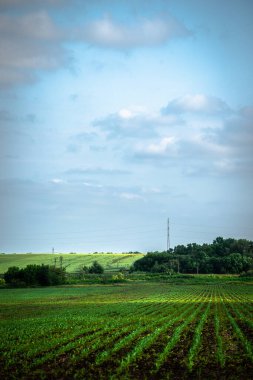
column 134, row 331
column 71, row 261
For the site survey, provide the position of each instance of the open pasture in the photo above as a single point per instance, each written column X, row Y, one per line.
column 72, row 262
column 129, row 331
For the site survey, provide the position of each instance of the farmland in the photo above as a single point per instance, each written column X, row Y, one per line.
column 72, row 262
column 138, row 329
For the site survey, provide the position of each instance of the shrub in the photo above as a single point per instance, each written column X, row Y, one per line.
column 249, row 273
column 120, row 277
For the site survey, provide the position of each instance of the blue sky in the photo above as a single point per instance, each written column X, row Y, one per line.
column 115, row 115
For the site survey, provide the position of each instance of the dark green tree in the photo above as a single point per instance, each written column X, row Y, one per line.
column 12, row 275
column 96, row 268
column 40, row 275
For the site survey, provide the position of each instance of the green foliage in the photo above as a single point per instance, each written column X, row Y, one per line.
column 153, row 262
column 35, row 275
column 84, row 269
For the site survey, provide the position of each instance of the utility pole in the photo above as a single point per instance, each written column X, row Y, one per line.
column 168, row 235
column 53, row 250
column 61, row 262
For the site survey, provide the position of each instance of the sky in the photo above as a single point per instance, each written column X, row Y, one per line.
column 117, row 115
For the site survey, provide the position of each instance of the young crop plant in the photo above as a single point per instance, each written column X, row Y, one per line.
column 68, row 346
column 84, row 349
column 159, row 324
column 219, row 352
column 197, row 338
column 162, row 357
column 146, row 330
column 239, row 312
column 148, row 340
column 85, row 341
column 245, row 342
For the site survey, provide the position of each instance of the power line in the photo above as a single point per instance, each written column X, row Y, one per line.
column 136, row 229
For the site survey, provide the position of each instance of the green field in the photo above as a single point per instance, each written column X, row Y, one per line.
column 71, row 261
column 136, row 330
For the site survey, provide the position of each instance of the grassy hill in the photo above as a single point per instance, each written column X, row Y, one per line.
column 72, row 262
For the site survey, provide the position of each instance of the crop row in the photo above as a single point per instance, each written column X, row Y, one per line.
column 151, row 331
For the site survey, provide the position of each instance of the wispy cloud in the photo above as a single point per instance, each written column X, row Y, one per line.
column 162, row 147
column 134, row 122
column 57, row 181
column 195, row 133
column 95, row 171
column 131, row 196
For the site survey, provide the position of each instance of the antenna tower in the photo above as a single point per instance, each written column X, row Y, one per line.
column 168, row 234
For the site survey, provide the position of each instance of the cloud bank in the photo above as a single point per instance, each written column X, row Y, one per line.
column 29, row 43
column 33, row 41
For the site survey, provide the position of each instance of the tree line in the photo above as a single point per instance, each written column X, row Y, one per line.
column 44, row 275
column 222, row 256
column 35, row 275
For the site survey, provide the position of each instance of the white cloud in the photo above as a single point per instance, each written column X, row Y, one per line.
column 165, row 145
column 108, row 33
column 134, row 112
column 209, row 138
column 123, row 123
column 201, row 142
column 57, row 181
column 198, row 103
column 186, row 140
column 93, row 185
column 126, row 114
column 131, row 196
column 184, row 150
column 134, row 122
